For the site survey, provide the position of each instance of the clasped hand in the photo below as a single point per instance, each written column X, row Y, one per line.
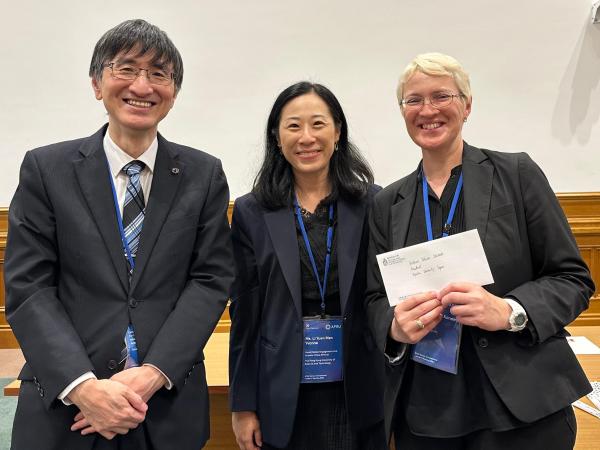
column 471, row 304
column 117, row 405
column 246, row 428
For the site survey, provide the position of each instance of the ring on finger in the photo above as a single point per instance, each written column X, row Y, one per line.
column 420, row 324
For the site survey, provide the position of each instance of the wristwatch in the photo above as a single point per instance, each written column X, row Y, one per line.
column 518, row 317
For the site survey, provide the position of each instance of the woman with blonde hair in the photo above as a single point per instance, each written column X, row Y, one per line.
column 515, row 376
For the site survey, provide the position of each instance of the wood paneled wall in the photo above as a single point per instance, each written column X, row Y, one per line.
column 582, row 210
column 7, row 339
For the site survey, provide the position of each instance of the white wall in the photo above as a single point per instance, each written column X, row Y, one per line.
column 534, row 65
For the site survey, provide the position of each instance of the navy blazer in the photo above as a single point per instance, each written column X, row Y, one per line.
column 69, row 300
column 265, row 355
column 533, row 258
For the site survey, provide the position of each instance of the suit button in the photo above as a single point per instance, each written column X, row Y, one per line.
column 112, row 364
column 133, row 302
column 483, row 342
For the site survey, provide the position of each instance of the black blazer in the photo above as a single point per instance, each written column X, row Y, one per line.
column 265, row 355
column 534, row 259
column 69, row 301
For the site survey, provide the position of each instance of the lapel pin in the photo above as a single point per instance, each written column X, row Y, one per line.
column 175, row 170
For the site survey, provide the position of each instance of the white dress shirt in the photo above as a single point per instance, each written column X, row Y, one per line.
column 117, row 159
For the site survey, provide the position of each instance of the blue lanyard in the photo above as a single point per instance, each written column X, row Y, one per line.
column 452, row 207
column 126, row 248
column 322, row 286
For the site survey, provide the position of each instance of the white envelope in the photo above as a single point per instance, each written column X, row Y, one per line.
column 432, row 265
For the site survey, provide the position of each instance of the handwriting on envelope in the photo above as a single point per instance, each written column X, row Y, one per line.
column 432, row 265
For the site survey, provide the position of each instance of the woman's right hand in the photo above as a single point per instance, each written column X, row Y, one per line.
column 246, row 428
column 416, row 316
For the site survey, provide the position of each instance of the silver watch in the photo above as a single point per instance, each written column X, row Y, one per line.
column 518, row 317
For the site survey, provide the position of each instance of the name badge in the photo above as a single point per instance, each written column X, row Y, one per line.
column 322, row 355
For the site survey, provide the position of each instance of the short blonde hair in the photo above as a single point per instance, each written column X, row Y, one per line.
column 437, row 65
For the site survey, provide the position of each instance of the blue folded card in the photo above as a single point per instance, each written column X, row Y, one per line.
column 439, row 349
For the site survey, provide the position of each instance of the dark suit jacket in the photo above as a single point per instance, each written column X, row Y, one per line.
column 265, row 359
column 68, row 297
column 534, row 259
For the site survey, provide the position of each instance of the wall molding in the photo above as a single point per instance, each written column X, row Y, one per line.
column 581, row 208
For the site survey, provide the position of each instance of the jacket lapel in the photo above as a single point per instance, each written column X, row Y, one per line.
column 93, row 177
column 282, row 229
column 165, row 181
column 350, row 220
column 477, row 189
column 477, row 174
column 402, row 210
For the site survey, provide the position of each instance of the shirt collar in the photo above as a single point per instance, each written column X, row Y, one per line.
column 117, row 158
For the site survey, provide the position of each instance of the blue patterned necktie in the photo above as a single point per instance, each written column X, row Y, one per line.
column 134, row 206
column 133, row 219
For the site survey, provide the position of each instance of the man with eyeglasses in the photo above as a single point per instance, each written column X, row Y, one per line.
column 117, row 267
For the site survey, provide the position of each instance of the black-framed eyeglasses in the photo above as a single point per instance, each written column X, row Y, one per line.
column 130, row 73
column 437, row 100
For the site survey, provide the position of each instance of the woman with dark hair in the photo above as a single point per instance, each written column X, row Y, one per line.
column 303, row 370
